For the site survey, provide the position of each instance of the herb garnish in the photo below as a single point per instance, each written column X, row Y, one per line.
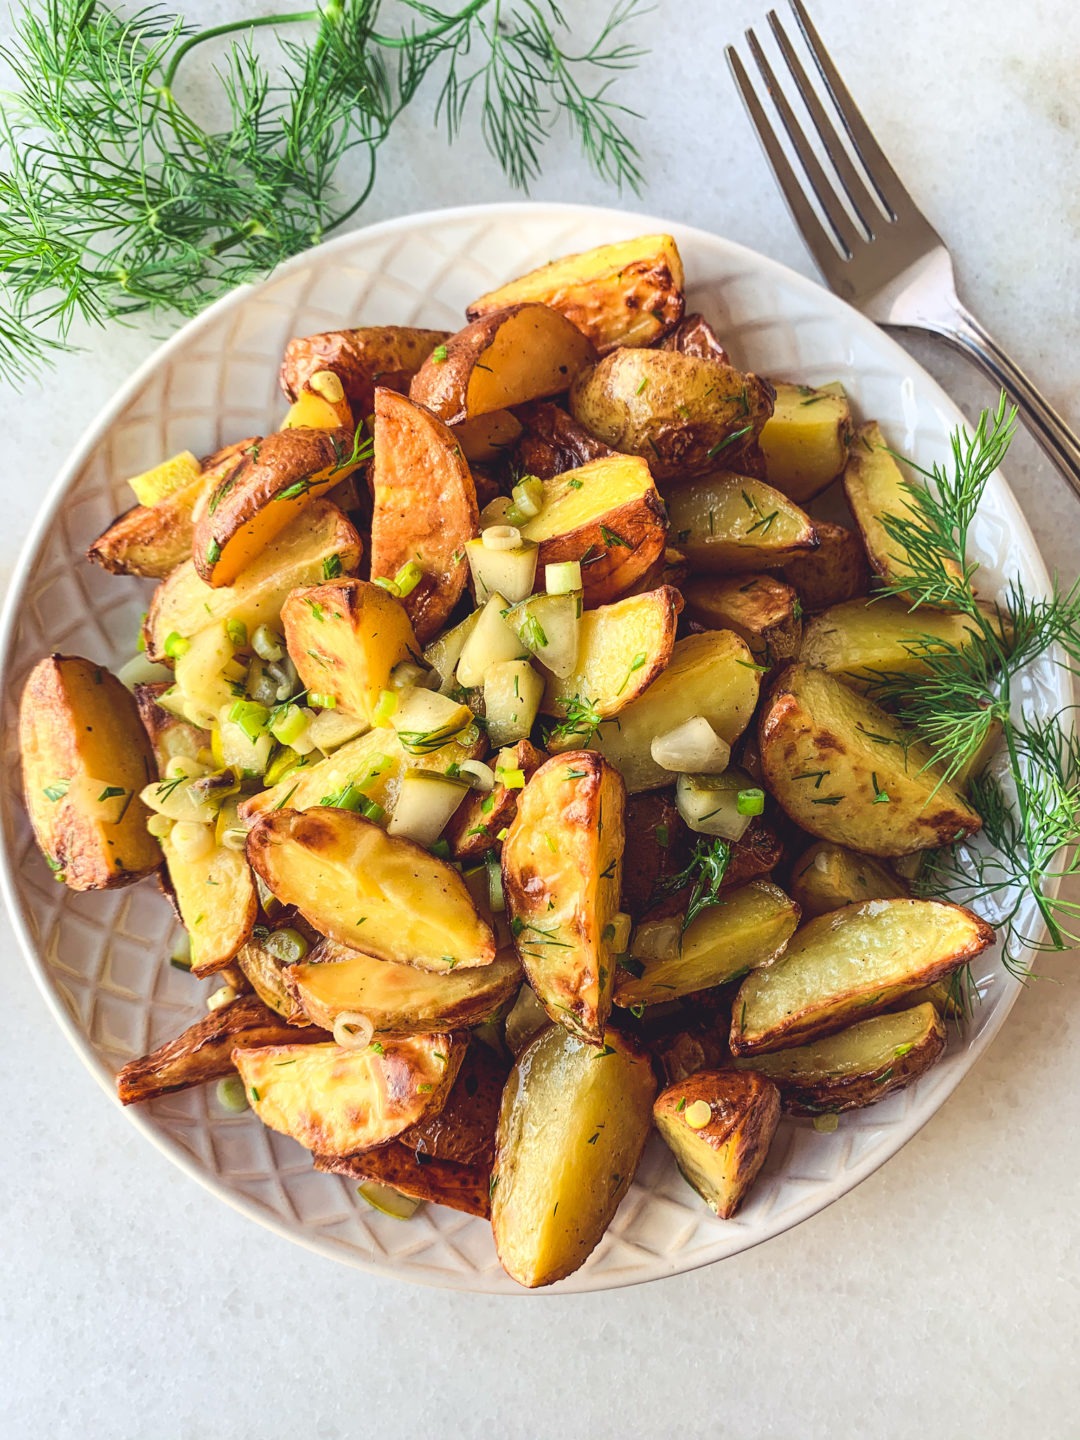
column 704, row 874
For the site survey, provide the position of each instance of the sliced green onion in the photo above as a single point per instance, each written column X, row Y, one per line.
column 440, row 848
column 159, row 826
column 501, row 537
column 385, row 707
column 288, row 725
column 236, row 630
column 176, row 645
column 231, row 1094
column 481, row 775
column 318, row 701
column 563, row 577
column 372, row 810
column 388, row 585
column 496, row 898
column 528, row 496
column 750, row 802
column 408, row 577
column 512, row 779
column 250, row 716
column 286, row 945
column 268, row 644
column 181, row 953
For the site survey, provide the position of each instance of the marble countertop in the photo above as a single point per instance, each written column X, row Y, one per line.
column 942, row 1296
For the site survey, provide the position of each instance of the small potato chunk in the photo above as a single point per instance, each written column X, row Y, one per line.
column 463, row 1131
column 561, row 866
column 553, row 442
column 684, row 415
column 606, row 514
column 204, row 1051
column 719, row 1125
column 440, row 1182
column 836, row 571
column 354, row 883
column 860, row 639
column 217, row 901
column 344, row 638
column 265, row 973
column 487, row 437
column 728, row 524
column 425, row 509
column 845, row 771
column 399, row 999
column 764, row 611
column 857, row 1067
column 263, row 494
column 749, row 927
column 85, row 758
column 622, row 648
column 474, row 827
column 828, row 877
column 319, row 541
column 338, row 1102
column 627, row 293
column 805, row 440
column 850, row 965
column 506, row 357
column 387, row 355
column 573, row 1124
column 711, row 674
column 875, row 487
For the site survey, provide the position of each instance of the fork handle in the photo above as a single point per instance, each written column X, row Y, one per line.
column 1055, row 437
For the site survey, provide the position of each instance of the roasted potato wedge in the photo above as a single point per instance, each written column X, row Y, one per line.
column 875, row 487
column 167, row 733
column 712, row 674
column 425, row 509
column 459, row 1187
column 719, row 1125
column 152, row 540
column 573, row 1124
column 506, row 357
column 387, row 355
column 764, row 611
column 561, row 865
column 729, row 524
column 474, row 827
column 836, row 571
column 319, row 540
column 553, row 442
column 657, row 848
column 399, row 999
column 262, row 495
column 463, row 1131
column 353, row 882
column 845, row 771
column 862, row 639
column 265, row 973
column 216, row 899
column 682, row 1053
column 487, row 437
column 621, row 650
column 749, row 927
column 828, row 877
column 524, row 1021
column 805, row 440
column 204, row 1051
column 857, row 1067
column 678, row 412
column 606, row 514
column 344, row 638
column 693, row 335
column 338, row 1102
column 850, row 965
column 627, row 293
column 85, row 758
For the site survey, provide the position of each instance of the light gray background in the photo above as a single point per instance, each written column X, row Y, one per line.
column 941, row 1297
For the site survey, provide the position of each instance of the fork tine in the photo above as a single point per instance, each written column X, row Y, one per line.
column 890, row 189
column 862, row 201
column 839, row 221
column 821, row 243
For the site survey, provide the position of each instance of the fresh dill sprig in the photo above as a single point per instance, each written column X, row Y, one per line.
column 582, row 721
column 118, row 198
column 704, row 874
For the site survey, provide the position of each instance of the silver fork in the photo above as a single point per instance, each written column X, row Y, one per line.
column 889, row 262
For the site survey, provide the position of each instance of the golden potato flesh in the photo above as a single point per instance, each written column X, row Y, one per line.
column 215, row 895
column 506, row 357
column 474, row 827
column 573, row 1124
column 850, row 965
column 338, row 1102
column 827, row 877
column 805, row 440
column 863, row 639
column 729, row 524
column 561, row 866
column 719, row 1125
column 836, row 571
column 265, row 973
column 763, row 610
column 400, row 999
column 857, row 1067
column 845, row 771
column 358, row 885
column 424, row 509
column 387, row 355
column 622, row 648
column 85, row 758
column 344, row 638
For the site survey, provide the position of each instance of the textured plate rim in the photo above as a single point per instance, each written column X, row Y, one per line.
column 819, row 1199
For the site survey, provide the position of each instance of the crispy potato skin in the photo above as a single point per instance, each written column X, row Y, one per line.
column 622, row 649
column 722, row 1160
column 471, row 831
column 836, row 571
column 387, row 355
column 828, row 877
column 553, row 442
column 441, row 1182
column 812, row 723
column 682, row 1053
column 561, row 865
column 506, row 357
column 425, row 508
column 677, row 411
column 658, row 845
column 463, row 1131
column 262, row 494
column 79, row 733
column 628, row 293
column 204, row 1050
column 693, row 335
column 267, row 976
column 572, row 1126
column 765, row 612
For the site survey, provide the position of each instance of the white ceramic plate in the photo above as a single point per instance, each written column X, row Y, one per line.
column 101, row 959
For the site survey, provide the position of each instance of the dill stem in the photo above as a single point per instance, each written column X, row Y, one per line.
column 400, row 42
column 231, row 27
